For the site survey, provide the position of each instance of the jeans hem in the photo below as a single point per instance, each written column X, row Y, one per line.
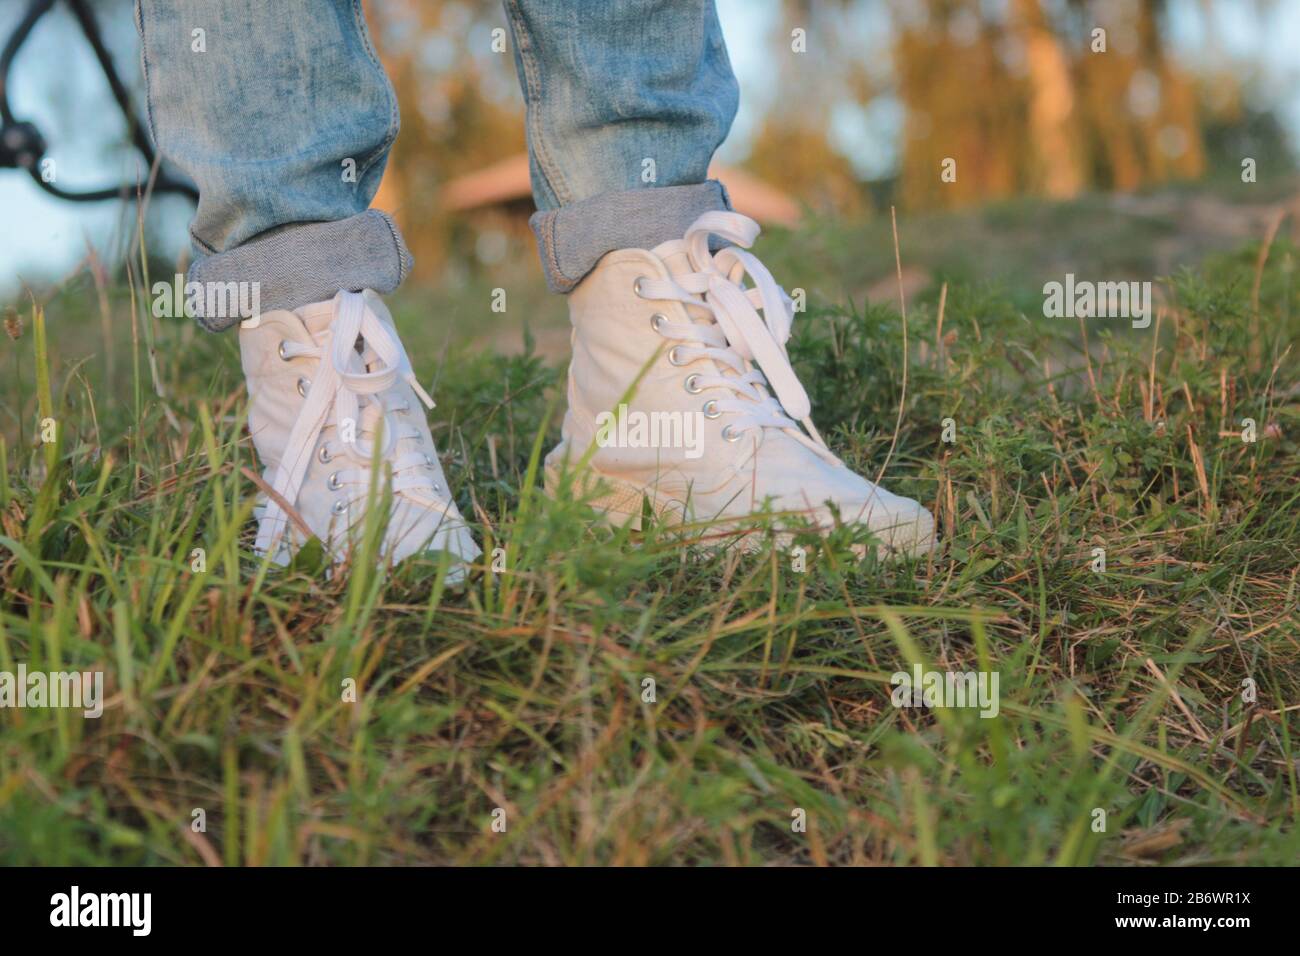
column 299, row 264
column 573, row 238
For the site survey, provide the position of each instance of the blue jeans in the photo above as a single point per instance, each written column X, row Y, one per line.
column 282, row 115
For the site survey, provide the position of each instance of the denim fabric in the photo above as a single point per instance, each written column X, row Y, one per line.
column 574, row 237
column 620, row 95
column 263, row 108
column 282, row 115
column 626, row 102
column 309, row 262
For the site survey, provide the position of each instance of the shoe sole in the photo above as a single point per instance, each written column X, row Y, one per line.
column 620, row 504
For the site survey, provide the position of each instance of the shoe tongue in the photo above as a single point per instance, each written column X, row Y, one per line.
column 317, row 316
column 673, row 254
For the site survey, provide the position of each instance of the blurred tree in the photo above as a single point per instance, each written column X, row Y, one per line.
column 965, row 109
column 1053, row 127
column 818, row 58
column 1029, row 97
column 799, row 159
column 1139, row 109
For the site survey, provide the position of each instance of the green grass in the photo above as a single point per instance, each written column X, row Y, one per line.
column 1120, row 691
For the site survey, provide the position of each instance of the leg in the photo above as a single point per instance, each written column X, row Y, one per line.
column 626, row 102
column 282, row 115
column 666, row 304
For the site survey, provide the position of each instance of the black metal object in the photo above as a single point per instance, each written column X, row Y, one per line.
column 21, row 144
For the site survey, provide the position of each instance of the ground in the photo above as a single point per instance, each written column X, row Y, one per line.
column 616, row 697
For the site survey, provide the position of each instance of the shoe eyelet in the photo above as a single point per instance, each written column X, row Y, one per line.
column 692, row 383
column 437, row 487
column 657, row 322
column 324, row 456
column 340, row 507
column 711, row 409
column 334, row 483
column 675, row 356
column 280, row 350
column 636, row 286
column 303, row 385
column 731, row 434
column 428, row 460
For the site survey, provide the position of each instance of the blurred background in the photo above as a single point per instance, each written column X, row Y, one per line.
column 1120, row 151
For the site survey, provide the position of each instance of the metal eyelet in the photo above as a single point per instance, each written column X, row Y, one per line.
column 731, row 434
column 334, row 483
column 280, row 350
column 439, row 488
column 303, row 385
column 324, row 456
column 692, row 383
column 657, row 322
column 340, row 507
column 711, row 409
column 428, row 460
column 674, row 355
column 636, row 286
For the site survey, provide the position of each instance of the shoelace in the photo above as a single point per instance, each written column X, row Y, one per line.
column 739, row 336
column 350, row 382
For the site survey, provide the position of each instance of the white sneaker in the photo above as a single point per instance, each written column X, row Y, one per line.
column 681, row 320
column 322, row 379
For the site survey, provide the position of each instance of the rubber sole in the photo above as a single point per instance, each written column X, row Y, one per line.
column 622, row 504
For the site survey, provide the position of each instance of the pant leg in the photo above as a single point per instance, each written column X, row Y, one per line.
column 627, row 100
column 281, row 114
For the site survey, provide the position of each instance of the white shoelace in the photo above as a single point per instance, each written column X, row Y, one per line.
column 739, row 335
column 350, row 381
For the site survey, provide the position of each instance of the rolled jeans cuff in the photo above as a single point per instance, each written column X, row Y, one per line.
column 573, row 238
column 300, row 264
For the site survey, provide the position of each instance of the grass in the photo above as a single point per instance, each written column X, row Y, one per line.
column 524, row 697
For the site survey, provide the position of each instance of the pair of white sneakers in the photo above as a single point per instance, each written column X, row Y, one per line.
column 666, row 333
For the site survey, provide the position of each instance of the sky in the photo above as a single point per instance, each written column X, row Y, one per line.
column 56, row 83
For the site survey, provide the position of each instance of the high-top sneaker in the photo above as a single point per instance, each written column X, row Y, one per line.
column 325, row 382
column 681, row 394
